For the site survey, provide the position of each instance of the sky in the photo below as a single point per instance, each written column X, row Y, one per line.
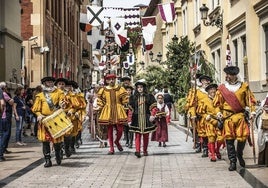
column 124, row 3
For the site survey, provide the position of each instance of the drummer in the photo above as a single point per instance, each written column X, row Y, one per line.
column 45, row 104
column 60, row 83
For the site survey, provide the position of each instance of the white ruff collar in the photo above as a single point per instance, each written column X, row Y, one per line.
column 49, row 89
column 233, row 87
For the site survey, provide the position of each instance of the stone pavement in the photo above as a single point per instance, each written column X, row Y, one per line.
column 177, row 165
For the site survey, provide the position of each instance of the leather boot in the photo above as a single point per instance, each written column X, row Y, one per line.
column 239, row 150
column 67, row 146
column 57, row 148
column 231, row 154
column 211, row 147
column 72, row 145
column 205, row 147
column 48, row 161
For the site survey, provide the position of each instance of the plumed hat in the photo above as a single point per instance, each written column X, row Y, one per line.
column 204, row 77
column 60, row 80
column 231, row 70
column 47, row 78
column 109, row 76
column 210, row 86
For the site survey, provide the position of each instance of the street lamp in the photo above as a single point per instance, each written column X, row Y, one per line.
column 158, row 57
column 215, row 19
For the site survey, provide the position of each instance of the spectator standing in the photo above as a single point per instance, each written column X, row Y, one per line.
column 19, row 109
column 7, row 116
column 2, row 106
column 168, row 100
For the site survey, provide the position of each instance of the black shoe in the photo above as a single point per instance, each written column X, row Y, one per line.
column 68, row 153
column 110, row 153
column 2, row 159
column 232, row 166
column 73, row 151
column 242, row 162
column 7, row 152
column 58, row 160
column 130, row 146
column 159, row 145
column 198, row 150
column 164, row 145
column 48, row 163
column 138, row 154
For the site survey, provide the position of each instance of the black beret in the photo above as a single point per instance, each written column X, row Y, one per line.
column 231, row 70
column 210, row 86
column 204, row 77
column 47, row 78
column 125, row 78
column 74, row 84
column 60, row 80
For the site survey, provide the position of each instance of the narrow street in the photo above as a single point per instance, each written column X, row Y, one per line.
column 177, row 165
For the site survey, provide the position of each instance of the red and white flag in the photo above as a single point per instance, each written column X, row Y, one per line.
column 148, row 31
column 167, row 12
column 228, row 53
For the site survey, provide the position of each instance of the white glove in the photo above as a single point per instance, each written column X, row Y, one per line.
column 39, row 118
column 76, row 114
column 129, row 123
column 152, row 118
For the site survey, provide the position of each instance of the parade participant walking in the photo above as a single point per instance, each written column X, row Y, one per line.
column 111, row 101
column 19, row 109
column 45, row 104
column 140, row 120
column 160, row 113
column 234, row 100
column 128, row 134
column 263, row 135
column 214, row 134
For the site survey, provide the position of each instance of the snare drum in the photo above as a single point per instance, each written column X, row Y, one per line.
column 57, row 124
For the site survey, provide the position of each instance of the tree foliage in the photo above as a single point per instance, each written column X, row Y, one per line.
column 154, row 77
column 180, row 57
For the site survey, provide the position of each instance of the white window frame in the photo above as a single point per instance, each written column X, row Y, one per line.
column 216, row 61
column 185, row 19
column 197, row 14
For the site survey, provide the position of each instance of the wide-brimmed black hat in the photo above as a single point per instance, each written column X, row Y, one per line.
column 60, row 80
column 47, row 78
column 210, row 86
column 140, row 83
column 125, row 78
column 231, row 70
column 205, row 77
